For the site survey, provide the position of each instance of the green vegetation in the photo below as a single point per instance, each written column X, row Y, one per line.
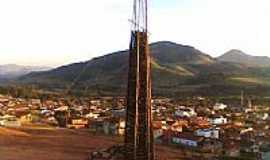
column 177, row 70
column 265, row 81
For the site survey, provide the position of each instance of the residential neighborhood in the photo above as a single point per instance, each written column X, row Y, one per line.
column 214, row 129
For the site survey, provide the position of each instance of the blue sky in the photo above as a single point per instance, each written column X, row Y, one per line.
column 56, row 32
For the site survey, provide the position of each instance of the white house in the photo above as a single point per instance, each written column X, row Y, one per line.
column 188, row 140
column 92, row 115
column 245, row 130
column 220, row 106
column 265, row 116
column 217, row 120
column 208, row 133
column 185, row 112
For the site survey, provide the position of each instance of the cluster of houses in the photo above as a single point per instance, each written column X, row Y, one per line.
column 213, row 128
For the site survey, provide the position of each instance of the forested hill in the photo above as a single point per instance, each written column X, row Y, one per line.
column 176, row 69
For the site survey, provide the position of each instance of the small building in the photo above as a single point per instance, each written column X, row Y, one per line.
column 187, row 139
column 208, row 133
column 10, row 121
column 201, row 122
column 185, row 112
column 109, row 126
column 78, row 123
column 219, row 106
column 92, row 115
column 217, row 120
column 178, row 125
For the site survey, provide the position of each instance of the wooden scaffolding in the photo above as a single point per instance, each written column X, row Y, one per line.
column 139, row 133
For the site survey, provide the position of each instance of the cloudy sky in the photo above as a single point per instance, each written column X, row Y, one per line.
column 55, row 32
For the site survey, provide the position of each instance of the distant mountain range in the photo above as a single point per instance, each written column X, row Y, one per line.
column 238, row 56
column 176, row 70
column 10, row 71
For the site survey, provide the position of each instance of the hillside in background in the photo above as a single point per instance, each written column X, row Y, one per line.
column 238, row 56
column 176, row 70
column 10, row 71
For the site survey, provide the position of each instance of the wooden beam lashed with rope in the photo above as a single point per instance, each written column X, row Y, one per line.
column 139, row 133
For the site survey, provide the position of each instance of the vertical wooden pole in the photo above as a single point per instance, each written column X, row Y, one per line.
column 132, row 99
column 144, row 143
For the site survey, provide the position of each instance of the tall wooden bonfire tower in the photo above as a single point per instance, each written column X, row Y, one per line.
column 139, row 133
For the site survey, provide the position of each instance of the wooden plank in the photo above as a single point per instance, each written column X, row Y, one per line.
column 132, row 99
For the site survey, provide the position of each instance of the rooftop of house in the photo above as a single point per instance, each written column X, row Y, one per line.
column 188, row 136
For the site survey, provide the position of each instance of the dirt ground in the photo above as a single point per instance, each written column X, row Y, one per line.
column 59, row 144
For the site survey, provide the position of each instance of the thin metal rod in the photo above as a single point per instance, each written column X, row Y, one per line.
column 146, row 15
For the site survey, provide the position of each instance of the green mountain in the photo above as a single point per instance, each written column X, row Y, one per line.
column 176, row 70
column 238, row 56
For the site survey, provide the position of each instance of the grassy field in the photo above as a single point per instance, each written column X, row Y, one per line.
column 60, row 144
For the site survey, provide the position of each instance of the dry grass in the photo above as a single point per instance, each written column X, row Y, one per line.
column 12, row 132
column 47, row 144
column 34, row 143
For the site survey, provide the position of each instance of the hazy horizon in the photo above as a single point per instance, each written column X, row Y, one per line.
column 59, row 32
column 84, row 60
